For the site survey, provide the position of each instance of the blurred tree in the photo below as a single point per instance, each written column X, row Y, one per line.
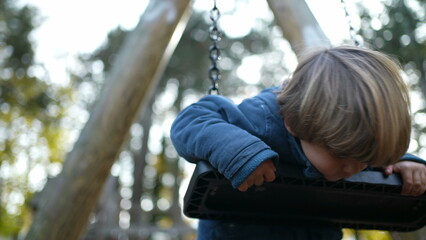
column 70, row 200
column 31, row 110
column 400, row 30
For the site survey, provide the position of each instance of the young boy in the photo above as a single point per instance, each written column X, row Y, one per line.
column 344, row 109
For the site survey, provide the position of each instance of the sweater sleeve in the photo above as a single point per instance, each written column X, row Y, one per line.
column 225, row 134
column 411, row 157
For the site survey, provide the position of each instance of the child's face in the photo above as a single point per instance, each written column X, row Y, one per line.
column 331, row 167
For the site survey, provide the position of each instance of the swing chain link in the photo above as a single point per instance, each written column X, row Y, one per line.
column 214, row 51
column 352, row 32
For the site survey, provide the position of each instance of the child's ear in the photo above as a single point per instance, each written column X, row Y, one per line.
column 289, row 129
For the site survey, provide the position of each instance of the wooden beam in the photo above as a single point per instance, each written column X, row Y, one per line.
column 298, row 24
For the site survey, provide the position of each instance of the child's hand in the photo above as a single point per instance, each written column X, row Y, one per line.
column 265, row 172
column 413, row 176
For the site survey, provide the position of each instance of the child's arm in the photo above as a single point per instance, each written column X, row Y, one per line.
column 231, row 137
column 413, row 176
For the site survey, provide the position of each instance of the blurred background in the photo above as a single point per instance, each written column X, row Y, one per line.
column 55, row 56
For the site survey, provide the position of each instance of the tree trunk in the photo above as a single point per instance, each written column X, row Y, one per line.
column 298, row 24
column 139, row 166
column 107, row 212
column 64, row 212
column 175, row 210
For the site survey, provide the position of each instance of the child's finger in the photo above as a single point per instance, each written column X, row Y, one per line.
column 258, row 181
column 408, row 182
column 423, row 175
column 269, row 176
column 388, row 170
column 417, row 179
column 250, row 181
column 418, row 186
column 271, row 165
column 243, row 187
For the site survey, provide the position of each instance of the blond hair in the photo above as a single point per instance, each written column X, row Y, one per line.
column 352, row 101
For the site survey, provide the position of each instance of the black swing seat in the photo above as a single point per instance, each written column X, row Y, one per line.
column 367, row 200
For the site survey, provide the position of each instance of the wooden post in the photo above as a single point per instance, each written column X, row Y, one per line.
column 107, row 211
column 298, row 24
column 139, row 161
column 65, row 209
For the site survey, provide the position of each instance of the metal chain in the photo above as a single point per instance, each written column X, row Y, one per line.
column 352, row 31
column 214, row 51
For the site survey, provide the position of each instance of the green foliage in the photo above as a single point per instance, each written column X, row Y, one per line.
column 31, row 111
column 401, row 34
column 10, row 224
column 17, row 26
column 366, row 234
